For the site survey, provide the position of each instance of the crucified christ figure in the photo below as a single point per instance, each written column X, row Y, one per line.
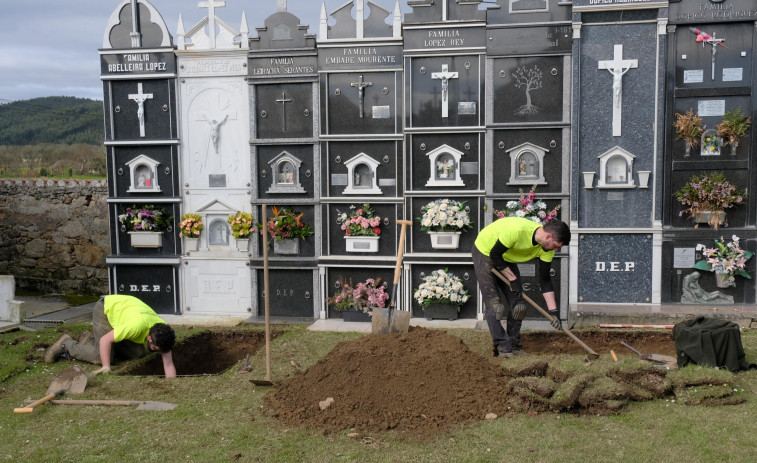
column 214, row 125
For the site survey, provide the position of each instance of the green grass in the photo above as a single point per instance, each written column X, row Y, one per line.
column 223, row 418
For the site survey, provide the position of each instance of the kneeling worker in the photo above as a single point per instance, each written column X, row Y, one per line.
column 502, row 245
column 123, row 326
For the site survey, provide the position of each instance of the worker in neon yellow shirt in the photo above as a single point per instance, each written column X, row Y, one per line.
column 502, row 245
column 123, row 326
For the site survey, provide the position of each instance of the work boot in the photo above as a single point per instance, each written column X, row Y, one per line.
column 86, row 336
column 519, row 311
column 501, row 311
column 57, row 349
column 518, row 352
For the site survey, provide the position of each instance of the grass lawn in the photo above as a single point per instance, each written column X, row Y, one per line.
column 223, row 418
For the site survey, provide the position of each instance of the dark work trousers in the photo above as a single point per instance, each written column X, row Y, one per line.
column 90, row 351
column 495, row 292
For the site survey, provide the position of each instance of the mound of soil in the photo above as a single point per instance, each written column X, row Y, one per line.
column 426, row 381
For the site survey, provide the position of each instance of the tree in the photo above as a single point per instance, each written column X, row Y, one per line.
column 531, row 79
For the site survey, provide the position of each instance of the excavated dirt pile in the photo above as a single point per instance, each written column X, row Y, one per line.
column 427, row 381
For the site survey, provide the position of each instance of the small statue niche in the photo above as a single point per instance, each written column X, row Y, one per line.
column 710, row 143
column 218, row 232
column 445, row 166
column 361, row 175
column 143, row 175
column 286, row 174
column 527, row 164
column 616, row 169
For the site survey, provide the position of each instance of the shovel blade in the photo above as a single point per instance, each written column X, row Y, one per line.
column 155, row 406
column 387, row 320
column 72, row 380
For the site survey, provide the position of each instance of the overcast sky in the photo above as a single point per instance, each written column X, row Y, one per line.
column 50, row 47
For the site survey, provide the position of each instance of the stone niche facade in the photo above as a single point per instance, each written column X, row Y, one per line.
column 54, row 235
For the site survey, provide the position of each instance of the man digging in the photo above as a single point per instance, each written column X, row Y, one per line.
column 123, row 326
column 502, row 245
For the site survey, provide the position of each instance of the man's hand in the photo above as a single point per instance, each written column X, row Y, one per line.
column 105, row 369
column 555, row 322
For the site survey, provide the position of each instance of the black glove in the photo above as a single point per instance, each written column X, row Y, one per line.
column 555, row 322
column 516, row 287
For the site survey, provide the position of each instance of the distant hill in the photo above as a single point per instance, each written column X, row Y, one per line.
column 57, row 119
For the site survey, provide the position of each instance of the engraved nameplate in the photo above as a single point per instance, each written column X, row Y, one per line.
column 615, row 196
column 695, row 76
column 339, row 179
column 381, row 112
column 732, row 74
column 387, row 181
column 683, row 257
column 711, row 108
column 468, row 168
column 527, row 270
column 466, row 108
column 217, row 180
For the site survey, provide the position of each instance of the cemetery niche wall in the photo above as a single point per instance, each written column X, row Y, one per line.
column 467, row 102
column 138, row 71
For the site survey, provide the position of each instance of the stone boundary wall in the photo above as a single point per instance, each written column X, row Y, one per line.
column 54, row 235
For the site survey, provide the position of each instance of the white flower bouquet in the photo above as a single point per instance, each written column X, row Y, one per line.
column 444, row 215
column 441, row 287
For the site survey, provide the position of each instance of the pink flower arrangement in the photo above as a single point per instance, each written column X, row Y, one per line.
column 362, row 296
column 362, row 222
column 528, row 207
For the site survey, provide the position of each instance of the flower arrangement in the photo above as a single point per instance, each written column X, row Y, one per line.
column 190, row 225
column 145, row 218
column 441, row 287
column 725, row 259
column 362, row 222
column 528, row 207
column 734, row 126
column 241, row 225
column 708, row 192
column 287, row 223
column 363, row 296
column 710, row 143
column 444, row 215
column 689, row 128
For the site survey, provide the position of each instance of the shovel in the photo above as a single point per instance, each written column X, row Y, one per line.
column 389, row 319
column 141, row 404
column 591, row 354
column 656, row 358
column 72, row 380
column 267, row 380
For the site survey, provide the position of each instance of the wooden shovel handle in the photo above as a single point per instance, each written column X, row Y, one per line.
column 31, row 406
column 400, row 249
column 547, row 315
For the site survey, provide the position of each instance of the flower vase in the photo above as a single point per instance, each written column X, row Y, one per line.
column 439, row 310
column 355, row 315
column 287, row 246
column 722, row 280
column 146, row 239
column 191, row 244
column 734, row 146
column 688, row 150
column 712, row 218
column 243, row 244
column 361, row 243
column 445, row 240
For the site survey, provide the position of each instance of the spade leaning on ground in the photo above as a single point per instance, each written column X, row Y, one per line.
column 123, row 326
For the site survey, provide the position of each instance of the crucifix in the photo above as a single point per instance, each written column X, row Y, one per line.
column 445, row 75
column 360, row 91
column 617, row 67
column 211, row 5
column 704, row 37
column 284, row 100
column 140, row 98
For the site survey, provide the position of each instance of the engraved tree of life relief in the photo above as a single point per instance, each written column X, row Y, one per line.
column 529, row 79
column 210, row 111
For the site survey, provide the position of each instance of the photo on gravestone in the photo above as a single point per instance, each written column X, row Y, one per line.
column 446, row 91
column 284, row 111
column 339, row 214
column 285, row 171
column 713, row 55
column 428, row 154
column 528, row 89
column 361, row 103
column 143, row 171
column 360, row 168
column 141, row 110
column 528, row 157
